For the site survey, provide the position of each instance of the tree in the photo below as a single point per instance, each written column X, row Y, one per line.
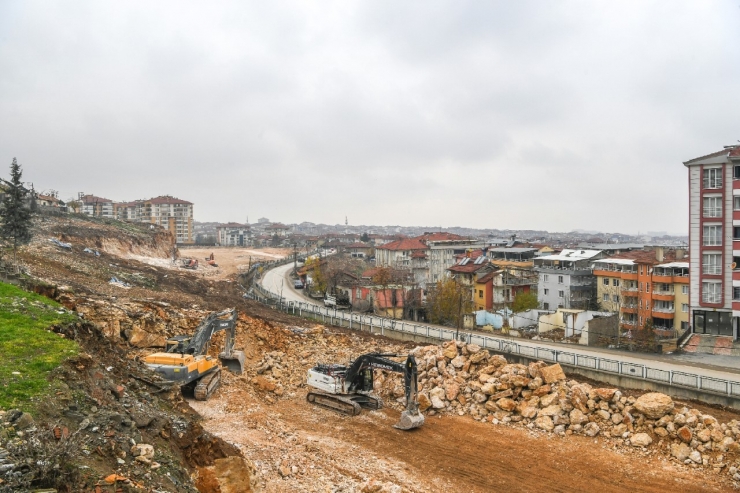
column 364, row 238
column 15, row 216
column 448, row 302
column 524, row 302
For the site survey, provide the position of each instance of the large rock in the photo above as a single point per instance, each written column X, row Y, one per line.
column 605, row 394
column 264, row 384
column 437, row 403
column 528, row 412
column 577, row 417
column 506, row 404
column 450, row 352
column 680, row 451
column 489, row 389
column 591, row 429
column 553, row 373
column 640, row 440
column 544, row 423
column 684, row 433
column 452, row 390
column 654, row 405
column 473, row 348
column 552, row 410
column 480, row 397
column 579, row 397
column 548, row 400
column 424, row 402
column 458, row 361
column 478, row 357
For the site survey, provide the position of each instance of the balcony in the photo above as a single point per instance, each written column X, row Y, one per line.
column 628, row 323
column 629, row 308
column 629, row 289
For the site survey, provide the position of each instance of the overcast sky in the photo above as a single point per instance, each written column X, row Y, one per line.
column 527, row 114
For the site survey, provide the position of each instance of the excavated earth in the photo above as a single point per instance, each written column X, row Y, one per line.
column 257, row 432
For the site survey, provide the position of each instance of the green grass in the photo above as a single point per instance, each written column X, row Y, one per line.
column 28, row 350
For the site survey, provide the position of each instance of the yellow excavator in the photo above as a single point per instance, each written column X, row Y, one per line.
column 186, row 360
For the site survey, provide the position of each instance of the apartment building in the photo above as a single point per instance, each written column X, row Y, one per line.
column 233, row 234
column 96, row 206
column 645, row 287
column 565, row 280
column 171, row 213
column 714, row 242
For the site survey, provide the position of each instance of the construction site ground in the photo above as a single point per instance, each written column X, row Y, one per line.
column 291, row 444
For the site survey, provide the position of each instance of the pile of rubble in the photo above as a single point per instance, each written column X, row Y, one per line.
column 463, row 379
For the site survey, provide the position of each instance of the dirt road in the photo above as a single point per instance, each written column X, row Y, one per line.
column 321, row 450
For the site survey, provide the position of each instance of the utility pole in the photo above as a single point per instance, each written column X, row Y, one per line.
column 295, row 258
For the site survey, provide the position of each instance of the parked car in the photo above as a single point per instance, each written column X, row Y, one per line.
column 298, row 284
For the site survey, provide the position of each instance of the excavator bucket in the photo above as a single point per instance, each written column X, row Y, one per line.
column 234, row 362
column 410, row 420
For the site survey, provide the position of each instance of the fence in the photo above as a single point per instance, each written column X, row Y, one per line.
column 358, row 321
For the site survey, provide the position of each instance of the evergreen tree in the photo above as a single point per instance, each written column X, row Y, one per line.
column 365, row 238
column 15, row 216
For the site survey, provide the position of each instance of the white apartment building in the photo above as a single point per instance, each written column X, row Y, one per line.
column 233, row 234
column 566, row 280
column 96, row 206
column 714, row 242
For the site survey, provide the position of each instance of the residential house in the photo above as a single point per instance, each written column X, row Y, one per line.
column 714, row 239
column 565, row 280
column 359, row 250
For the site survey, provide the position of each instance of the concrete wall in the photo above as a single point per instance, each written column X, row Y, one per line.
column 602, row 327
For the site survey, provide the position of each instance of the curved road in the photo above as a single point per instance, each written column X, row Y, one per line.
column 277, row 281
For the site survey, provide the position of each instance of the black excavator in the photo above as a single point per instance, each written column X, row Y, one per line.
column 348, row 389
column 186, row 362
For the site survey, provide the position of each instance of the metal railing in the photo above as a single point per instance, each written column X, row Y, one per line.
column 358, row 321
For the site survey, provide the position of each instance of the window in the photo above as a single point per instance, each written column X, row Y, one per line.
column 711, row 292
column 685, row 307
column 647, row 287
column 712, row 235
column 736, row 293
column 684, row 325
column 712, row 206
column 640, row 320
column 736, row 233
column 480, row 293
column 547, row 291
column 605, row 297
column 640, row 304
column 640, row 287
column 545, row 278
column 684, row 290
column 641, row 271
column 615, row 282
column 647, row 305
column 736, row 172
column 606, row 281
column 561, row 294
column 615, row 298
column 560, row 279
column 713, row 178
column 711, row 263
column 546, row 306
column 736, row 203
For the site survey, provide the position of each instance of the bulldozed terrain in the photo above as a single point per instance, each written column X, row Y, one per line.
column 112, row 424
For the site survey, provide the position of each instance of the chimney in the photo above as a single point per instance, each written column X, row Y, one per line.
column 659, row 254
column 680, row 253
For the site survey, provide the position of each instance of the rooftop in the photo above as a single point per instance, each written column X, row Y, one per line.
column 573, row 255
column 167, row 199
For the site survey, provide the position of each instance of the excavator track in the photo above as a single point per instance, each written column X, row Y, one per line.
column 207, row 385
column 343, row 404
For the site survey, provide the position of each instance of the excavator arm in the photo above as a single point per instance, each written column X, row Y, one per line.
column 411, row 417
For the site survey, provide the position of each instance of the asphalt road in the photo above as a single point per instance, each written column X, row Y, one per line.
column 722, row 367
